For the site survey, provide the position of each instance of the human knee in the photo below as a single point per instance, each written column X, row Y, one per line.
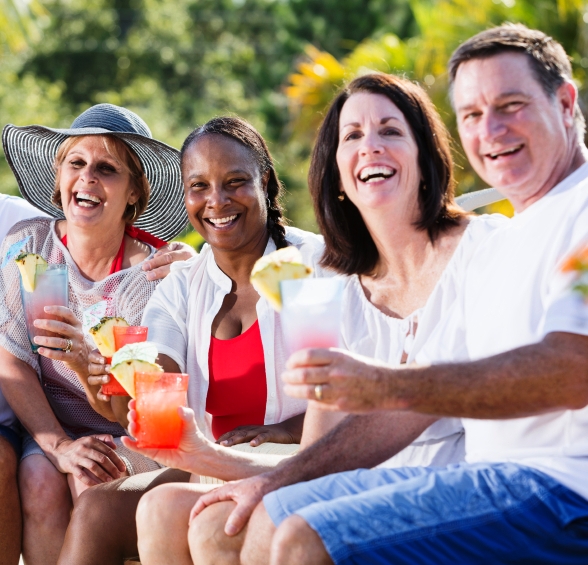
column 259, row 536
column 206, row 533
column 93, row 507
column 43, row 489
column 293, row 537
column 156, row 507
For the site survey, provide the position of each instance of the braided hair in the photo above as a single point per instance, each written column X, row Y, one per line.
column 244, row 133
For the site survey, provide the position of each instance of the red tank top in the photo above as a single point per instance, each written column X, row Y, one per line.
column 135, row 233
column 237, row 392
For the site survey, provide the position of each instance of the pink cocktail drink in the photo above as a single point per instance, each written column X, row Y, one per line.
column 51, row 289
column 123, row 335
column 159, row 395
column 311, row 312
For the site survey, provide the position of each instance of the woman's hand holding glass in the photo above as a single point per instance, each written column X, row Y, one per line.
column 98, row 373
column 68, row 345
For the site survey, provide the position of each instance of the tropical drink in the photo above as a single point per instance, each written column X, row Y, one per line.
column 50, row 289
column 123, row 335
column 158, row 397
column 311, row 312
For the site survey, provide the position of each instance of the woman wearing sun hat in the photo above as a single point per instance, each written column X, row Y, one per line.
column 115, row 195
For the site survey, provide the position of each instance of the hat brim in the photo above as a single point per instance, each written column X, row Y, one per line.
column 30, row 151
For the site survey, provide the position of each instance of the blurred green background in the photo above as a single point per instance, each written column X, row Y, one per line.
column 276, row 63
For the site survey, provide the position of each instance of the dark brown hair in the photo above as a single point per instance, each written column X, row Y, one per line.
column 244, row 133
column 547, row 58
column 349, row 247
column 128, row 160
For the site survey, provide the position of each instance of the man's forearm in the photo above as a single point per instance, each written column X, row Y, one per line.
column 360, row 441
column 543, row 377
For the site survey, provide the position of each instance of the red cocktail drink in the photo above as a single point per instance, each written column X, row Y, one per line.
column 158, row 397
column 123, row 335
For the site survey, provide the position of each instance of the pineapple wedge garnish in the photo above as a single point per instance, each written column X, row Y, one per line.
column 27, row 265
column 132, row 358
column 281, row 265
column 125, row 373
column 103, row 334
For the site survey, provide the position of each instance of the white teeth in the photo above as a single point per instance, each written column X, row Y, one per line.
column 221, row 221
column 507, row 152
column 375, row 173
column 87, row 196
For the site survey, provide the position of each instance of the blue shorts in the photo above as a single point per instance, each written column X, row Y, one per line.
column 13, row 438
column 462, row 514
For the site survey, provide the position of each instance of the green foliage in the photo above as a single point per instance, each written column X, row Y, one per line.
column 442, row 26
column 177, row 64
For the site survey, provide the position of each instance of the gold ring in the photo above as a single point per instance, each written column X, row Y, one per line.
column 69, row 346
column 318, row 392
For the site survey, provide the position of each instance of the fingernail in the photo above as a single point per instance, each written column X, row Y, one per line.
column 149, row 276
column 230, row 530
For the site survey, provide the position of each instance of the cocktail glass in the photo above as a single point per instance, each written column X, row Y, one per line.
column 311, row 312
column 51, row 289
column 158, row 397
column 123, row 335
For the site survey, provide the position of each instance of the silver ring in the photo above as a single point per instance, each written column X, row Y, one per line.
column 318, row 392
column 69, row 346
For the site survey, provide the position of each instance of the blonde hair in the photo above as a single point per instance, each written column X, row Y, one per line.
column 128, row 160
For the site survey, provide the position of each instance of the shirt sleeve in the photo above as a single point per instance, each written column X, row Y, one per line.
column 165, row 316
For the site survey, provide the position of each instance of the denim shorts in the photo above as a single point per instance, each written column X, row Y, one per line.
column 467, row 514
column 13, row 438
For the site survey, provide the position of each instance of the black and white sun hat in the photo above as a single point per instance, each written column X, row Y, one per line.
column 30, row 152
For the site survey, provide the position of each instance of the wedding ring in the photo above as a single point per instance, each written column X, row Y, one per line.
column 69, row 346
column 318, row 392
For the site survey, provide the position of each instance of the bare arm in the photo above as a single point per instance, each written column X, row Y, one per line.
column 359, row 441
column 534, row 379
column 89, row 459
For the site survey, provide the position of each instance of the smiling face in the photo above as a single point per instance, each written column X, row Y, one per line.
column 95, row 187
column 377, row 156
column 224, row 193
column 516, row 137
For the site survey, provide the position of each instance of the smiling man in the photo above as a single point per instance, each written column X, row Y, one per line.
column 511, row 360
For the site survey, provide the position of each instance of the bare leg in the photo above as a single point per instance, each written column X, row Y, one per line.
column 76, row 487
column 46, row 507
column 162, row 523
column 208, row 543
column 258, row 540
column 10, row 516
column 296, row 542
column 103, row 529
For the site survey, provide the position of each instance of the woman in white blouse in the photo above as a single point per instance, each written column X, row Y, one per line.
column 382, row 183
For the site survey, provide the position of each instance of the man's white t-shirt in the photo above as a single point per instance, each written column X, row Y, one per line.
column 12, row 210
column 514, row 295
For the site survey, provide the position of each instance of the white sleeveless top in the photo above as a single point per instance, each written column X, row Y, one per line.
column 368, row 331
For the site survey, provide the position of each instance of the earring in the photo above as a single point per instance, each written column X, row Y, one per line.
column 134, row 213
column 423, row 186
column 268, row 202
column 341, row 197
